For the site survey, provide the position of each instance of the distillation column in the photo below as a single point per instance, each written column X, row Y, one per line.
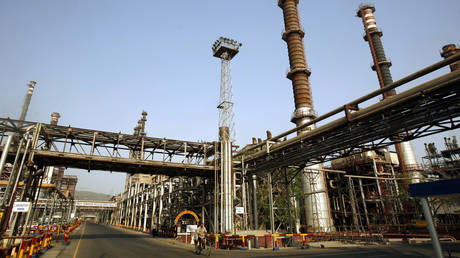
column 317, row 209
column 405, row 151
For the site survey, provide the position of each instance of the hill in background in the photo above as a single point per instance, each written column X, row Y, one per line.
column 87, row 195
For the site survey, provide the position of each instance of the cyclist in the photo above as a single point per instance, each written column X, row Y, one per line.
column 201, row 233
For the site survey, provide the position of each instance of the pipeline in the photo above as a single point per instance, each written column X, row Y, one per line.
column 400, row 82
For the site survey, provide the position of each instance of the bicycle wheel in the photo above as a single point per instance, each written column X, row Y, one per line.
column 208, row 249
column 197, row 248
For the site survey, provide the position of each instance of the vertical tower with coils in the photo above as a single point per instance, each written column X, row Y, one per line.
column 225, row 49
column 405, row 151
column 317, row 211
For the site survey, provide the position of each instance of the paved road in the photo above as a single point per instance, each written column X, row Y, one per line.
column 96, row 240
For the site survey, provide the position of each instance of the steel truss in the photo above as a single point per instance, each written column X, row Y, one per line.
column 99, row 150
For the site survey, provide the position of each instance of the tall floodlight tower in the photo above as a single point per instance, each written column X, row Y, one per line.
column 405, row 151
column 316, row 203
column 225, row 49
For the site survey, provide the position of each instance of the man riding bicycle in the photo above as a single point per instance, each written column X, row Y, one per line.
column 201, row 233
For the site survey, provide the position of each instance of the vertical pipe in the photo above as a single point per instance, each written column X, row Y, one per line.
column 160, row 208
column 35, row 189
column 14, row 172
column 6, row 148
column 216, row 190
column 351, row 193
column 270, row 200
column 221, row 190
column 431, row 228
column 254, row 202
column 15, row 176
column 288, row 200
column 364, row 202
column 243, row 193
column 154, row 205
column 227, row 180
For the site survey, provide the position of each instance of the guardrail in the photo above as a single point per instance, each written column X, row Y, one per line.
column 37, row 241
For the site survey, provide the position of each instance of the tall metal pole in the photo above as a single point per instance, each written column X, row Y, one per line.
column 254, row 202
column 431, row 228
column 225, row 49
column 270, row 200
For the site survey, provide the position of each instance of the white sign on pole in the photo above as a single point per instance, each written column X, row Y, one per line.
column 239, row 210
column 191, row 228
column 21, row 206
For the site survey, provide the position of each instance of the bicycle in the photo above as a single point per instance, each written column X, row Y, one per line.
column 202, row 246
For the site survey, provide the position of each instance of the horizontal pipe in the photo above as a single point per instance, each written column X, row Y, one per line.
column 20, row 184
column 361, row 114
column 373, row 94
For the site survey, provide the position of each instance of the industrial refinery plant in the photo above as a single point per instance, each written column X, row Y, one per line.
column 349, row 175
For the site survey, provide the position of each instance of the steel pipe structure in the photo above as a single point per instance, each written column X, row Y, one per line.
column 99, row 150
column 429, row 108
column 356, row 102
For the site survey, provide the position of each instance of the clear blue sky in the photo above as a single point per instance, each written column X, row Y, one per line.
column 100, row 63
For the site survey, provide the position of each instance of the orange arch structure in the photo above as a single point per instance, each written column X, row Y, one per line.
column 186, row 212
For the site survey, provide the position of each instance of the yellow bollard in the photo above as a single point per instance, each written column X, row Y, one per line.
column 275, row 243
column 32, row 247
column 58, row 231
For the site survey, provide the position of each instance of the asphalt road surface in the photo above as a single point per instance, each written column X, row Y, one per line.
column 97, row 240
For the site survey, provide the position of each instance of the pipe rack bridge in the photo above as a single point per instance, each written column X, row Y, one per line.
column 426, row 109
column 98, row 150
column 84, row 204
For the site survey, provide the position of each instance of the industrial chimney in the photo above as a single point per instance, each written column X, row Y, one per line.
column 55, row 118
column 316, row 203
column 405, row 151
